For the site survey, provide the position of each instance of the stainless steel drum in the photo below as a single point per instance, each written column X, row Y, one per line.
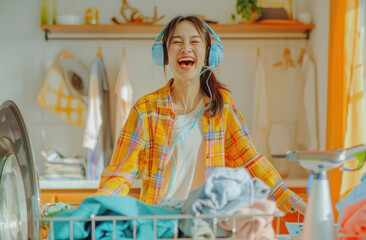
column 13, row 203
column 19, row 187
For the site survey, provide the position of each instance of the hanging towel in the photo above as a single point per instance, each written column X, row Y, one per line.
column 123, row 91
column 260, row 110
column 225, row 191
column 306, row 124
column 114, row 206
column 259, row 226
column 280, row 139
column 94, row 117
column 64, row 91
column 97, row 133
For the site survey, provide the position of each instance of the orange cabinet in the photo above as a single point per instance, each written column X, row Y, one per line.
column 74, row 195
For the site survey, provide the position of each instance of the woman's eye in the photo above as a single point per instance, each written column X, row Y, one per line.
column 176, row 42
column 196, row 42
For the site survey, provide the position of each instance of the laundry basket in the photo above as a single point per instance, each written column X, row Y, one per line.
column 175, row 219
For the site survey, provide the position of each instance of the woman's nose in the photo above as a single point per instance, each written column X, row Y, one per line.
column 186, row 47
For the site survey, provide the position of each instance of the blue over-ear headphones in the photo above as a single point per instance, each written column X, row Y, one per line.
column 215, row 56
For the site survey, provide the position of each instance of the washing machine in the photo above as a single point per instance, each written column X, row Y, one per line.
column 20, row 198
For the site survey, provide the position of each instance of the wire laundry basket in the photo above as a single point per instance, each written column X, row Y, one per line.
column 213, row 218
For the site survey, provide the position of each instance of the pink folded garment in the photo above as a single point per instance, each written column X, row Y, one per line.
column 354, row 221
column 255, row 227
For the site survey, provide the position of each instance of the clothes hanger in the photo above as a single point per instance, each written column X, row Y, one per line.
column 100, row 55
column 289, row 59
column 286, row 60
column 302, row 53
column 258, row 52
column 65, row 54
column 124, row 52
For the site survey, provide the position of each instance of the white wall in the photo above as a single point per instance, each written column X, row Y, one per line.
column 25, row 56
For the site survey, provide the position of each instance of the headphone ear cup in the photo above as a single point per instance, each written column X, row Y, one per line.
column 158, row 54
column 216, row 54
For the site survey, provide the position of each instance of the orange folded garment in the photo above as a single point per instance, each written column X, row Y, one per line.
column 256, row 227
column 354, row 221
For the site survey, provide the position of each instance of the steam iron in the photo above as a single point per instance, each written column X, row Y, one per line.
column 319, row 219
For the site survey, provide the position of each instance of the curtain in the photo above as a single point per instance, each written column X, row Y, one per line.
column 345, row 107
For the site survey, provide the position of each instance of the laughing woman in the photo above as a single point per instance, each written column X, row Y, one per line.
column 178, row 134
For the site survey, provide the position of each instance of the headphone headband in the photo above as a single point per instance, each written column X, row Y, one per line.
column 216, row 38
column 158, row 38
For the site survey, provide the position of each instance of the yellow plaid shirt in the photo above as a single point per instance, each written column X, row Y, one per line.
column 144, row 142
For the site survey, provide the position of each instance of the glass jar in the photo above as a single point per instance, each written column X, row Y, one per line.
column 91, row 16
column 48, row 12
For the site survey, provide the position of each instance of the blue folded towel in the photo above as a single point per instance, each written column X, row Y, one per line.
column 114, row 206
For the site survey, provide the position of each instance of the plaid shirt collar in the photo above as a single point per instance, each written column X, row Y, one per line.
column 164, row 99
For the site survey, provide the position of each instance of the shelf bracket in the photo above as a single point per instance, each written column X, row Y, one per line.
column 307, row 32
column 46, row 31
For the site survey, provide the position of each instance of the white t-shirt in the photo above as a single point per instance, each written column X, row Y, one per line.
column 189, row 154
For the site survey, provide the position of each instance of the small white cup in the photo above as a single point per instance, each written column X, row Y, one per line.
column 68, row 19
column 304, row 17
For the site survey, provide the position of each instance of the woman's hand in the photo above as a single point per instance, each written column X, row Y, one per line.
column 300, row 206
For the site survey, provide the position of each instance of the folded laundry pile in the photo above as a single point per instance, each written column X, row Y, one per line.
column 227, row 191
column 59, row 167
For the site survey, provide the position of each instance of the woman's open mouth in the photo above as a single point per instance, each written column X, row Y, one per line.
column 186, row 63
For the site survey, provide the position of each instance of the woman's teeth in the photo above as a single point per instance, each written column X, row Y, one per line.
column 186, row 62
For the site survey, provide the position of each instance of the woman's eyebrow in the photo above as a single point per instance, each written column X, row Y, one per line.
column 189, row 37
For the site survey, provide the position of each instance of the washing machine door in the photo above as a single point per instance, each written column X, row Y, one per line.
column 19, row 187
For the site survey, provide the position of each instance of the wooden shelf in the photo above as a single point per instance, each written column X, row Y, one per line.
column 149, row 31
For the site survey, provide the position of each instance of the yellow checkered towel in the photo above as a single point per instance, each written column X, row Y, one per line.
column 63, row 90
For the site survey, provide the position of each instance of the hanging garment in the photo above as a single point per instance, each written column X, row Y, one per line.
column 260, row 110
column 64, row 91
column 123, row 91
column 306, row 124
column 280, row 139
column 97, row 132
column 115, row 206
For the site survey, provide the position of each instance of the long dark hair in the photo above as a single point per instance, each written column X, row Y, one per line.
column 217, row 102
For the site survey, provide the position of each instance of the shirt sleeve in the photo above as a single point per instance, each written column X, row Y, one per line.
column 127, row 159
column 240, row 152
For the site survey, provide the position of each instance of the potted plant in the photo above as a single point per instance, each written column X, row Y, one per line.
column 248, row 10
